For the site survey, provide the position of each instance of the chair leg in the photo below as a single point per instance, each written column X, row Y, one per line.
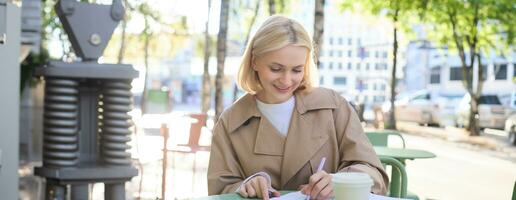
column 193, row 172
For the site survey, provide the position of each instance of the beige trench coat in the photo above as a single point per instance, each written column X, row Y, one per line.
column 323, row 124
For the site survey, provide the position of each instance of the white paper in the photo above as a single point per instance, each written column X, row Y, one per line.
column 300, row 196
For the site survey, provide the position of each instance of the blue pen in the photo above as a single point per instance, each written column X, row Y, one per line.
column 319, row 168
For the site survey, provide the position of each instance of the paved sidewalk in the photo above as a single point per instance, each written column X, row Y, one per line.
column 490, row 139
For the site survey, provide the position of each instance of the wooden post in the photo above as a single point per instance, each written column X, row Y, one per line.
column 164, row 132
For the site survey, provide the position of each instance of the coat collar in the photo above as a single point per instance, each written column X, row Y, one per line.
column 246, row 108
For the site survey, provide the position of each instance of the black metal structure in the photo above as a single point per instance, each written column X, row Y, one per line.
column 86, row 121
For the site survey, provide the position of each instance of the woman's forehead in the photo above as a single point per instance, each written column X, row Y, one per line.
column 288, row 56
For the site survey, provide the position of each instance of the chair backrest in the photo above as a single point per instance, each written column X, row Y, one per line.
column 195, row 129
column 514, row 192
column 397, row 188
column 381, row 138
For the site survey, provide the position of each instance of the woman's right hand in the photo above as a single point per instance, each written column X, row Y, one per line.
column 257, row 187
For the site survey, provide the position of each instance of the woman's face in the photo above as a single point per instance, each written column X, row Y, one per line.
column 280, row 73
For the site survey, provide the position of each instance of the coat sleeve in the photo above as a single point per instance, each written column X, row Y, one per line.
column 355, row 151
column 225, row 174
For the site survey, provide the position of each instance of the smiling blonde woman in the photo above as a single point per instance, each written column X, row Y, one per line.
column 275, row 136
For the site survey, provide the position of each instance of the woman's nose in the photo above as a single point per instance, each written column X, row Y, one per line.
column 285, row 77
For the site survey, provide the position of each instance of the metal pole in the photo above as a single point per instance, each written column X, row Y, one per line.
column 80, row 192
column 164, row 132
column 114, row 191
column 54, row 191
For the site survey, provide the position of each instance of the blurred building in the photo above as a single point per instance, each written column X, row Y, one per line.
column 436, row 69
column 356, row 57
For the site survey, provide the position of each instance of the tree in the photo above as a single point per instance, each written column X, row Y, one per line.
column 221, row 56
column 148, row 15
column 272, row 7
column 318, row 29
column 206, row 82
column 121, row 51
column 396, row 10
column 250, row 23
column 473, row 28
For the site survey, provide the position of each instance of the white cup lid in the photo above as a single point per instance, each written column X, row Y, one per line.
column 352, row 178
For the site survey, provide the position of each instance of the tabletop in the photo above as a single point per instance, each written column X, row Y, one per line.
column 403, row 153
column 230, row 196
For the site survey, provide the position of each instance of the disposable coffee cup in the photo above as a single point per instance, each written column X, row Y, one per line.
column 351, row 186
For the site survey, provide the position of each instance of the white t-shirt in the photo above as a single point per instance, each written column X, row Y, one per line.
column 278, row 114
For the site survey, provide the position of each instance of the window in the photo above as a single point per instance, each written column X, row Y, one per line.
column 500, row 71
column 484, row 72
column 330, row 66
column 513, row 71
column 489, row 99
column 376, row 54
column 455, row 73
column 377, row 66
column 340, row 66
column 385, row 54
column 349, row 66
column 367, row 66
column 350, row 41
column 340, row 53
column 375, row 87
column 358, row 66
column 349, row 53
column 321, row 81
column 331, row 40
column 435, row 75
column 340, row 40
column 382, row 87
column 321, row 65
column 339, row 80
column 331, row 53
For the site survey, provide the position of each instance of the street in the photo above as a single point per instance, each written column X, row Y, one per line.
column 460, row 171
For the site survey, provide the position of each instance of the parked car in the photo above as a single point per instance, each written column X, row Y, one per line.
column 510, row 128
column 424, row 108
column 491, row 112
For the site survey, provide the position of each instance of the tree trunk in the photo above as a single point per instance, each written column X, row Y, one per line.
column 221, row 56
column 251, row 24
column 121, row 51
column 272, row 7
column 206, row 82
column 147, row 37
column 318, row 30
column 392, row 116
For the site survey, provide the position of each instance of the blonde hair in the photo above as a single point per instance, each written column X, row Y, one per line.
column 275, row 33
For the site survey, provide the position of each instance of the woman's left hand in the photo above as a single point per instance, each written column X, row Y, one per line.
column 319, row 186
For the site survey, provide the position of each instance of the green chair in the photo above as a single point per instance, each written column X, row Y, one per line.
column 396, row 190
column 381, row 138
column 514, row 192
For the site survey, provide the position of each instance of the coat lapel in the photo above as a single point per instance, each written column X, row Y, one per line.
column 303, row 140
column 268, row 139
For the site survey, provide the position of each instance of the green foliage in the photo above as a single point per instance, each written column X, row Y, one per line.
column 480, row 24
column 407, row 10
column 28, row 67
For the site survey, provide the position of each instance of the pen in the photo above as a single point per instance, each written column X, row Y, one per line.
column 321, row 164
column 319, row 168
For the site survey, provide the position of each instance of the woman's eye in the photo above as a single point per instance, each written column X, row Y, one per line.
column 297, row 71
column 275, row 69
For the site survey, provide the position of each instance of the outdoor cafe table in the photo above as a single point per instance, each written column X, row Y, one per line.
column 401, row 155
